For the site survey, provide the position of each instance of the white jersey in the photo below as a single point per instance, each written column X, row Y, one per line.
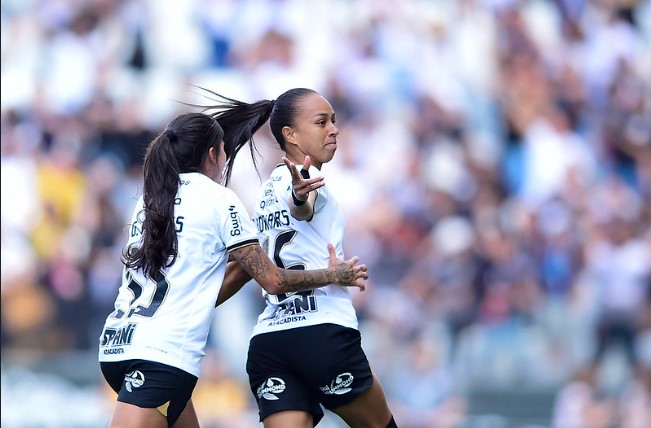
column 168, row 320
column 294, row 244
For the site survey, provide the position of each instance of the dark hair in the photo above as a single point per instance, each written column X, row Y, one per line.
column 181, row 148
column 240, row 120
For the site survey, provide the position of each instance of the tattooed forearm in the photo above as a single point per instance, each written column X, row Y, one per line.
column 297, row 280
column 275, row 280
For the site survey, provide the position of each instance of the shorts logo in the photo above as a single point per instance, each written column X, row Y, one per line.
column 270, row 387
column 340, row 385
column 135, row 379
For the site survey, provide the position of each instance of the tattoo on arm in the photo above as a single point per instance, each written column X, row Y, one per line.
column 298, row 280
column 256, row 262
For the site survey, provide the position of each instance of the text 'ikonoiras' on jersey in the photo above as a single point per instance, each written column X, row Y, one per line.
column 272, row 220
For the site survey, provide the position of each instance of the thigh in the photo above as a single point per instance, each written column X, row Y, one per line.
column 150, row 385
column 370, row 409
column 334, row 364
column 188, row 418
column 127, row 415
column 280, row 393
column 289, row 418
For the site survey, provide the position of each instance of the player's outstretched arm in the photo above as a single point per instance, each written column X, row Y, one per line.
column 275, row 280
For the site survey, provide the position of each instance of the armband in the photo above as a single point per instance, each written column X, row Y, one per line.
column 297, row 201
column 305, row 174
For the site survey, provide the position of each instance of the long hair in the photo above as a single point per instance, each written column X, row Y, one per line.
column 181, row 148
column 241, row 120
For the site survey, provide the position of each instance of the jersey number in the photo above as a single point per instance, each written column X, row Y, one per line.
column 162, row 286
column 283, row 239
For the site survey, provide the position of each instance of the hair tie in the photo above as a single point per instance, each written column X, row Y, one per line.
column 170, row 134
column 272, row 103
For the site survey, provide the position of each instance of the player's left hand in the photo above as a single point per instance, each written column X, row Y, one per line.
column 302, row 185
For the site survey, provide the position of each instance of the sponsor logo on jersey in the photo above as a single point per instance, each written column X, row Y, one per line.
column 117, row 338
column 340, row 385
column 287, row 320
column 235, row 221
column 135, row 379
column 298, row 304
column 271, row 387
column 269, row 197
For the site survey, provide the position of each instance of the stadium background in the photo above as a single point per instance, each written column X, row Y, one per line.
column 494, row 169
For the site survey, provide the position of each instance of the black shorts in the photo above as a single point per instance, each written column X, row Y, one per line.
column 150, row 385
column 299, row 368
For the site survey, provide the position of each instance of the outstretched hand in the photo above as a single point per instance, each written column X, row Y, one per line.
column 302, row 186
column 349, row 273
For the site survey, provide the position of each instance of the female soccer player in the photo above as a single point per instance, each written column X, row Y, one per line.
column 306, row 348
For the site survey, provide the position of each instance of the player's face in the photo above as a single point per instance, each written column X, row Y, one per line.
column 315, row 131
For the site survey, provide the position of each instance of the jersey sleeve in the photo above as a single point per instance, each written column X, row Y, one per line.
column 237, row 228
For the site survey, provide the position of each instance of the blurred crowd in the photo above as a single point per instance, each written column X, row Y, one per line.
column 494, row 167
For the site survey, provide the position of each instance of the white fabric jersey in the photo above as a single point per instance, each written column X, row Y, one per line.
column 294, row 244
column 168, row 321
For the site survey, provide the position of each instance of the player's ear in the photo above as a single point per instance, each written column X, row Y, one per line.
column 289, row 135
column 212, row 153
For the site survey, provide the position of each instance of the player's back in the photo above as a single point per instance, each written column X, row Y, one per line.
column 153, row 317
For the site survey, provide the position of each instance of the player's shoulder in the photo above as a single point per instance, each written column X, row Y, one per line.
column 204, row 192
column 197, row 182
column 280, row 172
column 279, row 176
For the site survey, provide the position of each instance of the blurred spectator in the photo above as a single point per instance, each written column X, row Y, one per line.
column 508, row 199
column 220, row 398
column 581, row 404
column 424, row 391
column 635, row 401
column 620, row 266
